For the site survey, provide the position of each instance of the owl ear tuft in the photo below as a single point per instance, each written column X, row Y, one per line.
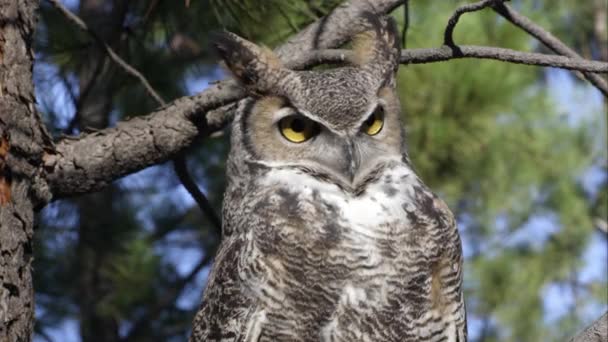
column 378, row 47
column 257, row 68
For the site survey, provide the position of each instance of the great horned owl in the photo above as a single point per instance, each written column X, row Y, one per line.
column 329, row 235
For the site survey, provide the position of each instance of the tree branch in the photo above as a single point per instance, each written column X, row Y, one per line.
column 445, row 53
column 449, row 29
column 527, row 25
column 596, row 332
column 548, row 40
column 181, row 169
column 179, row 162
column 109, row 51
column 92, row 161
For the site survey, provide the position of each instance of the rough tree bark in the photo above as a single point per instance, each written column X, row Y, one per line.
column 596, row 332
column 22, row 143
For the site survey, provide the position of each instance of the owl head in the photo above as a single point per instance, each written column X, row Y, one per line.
column 338, row 123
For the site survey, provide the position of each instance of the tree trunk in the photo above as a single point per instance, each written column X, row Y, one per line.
column 23, row 141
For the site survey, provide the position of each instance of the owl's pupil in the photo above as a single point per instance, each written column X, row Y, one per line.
column 297, row 125
column 370, row 120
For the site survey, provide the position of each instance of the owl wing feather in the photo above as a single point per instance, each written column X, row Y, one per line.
column 225, row 308
column 446, row 285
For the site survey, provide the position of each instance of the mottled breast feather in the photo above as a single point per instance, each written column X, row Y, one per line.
column 308, row 261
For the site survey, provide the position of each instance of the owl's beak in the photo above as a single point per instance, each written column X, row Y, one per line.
column 352, row 159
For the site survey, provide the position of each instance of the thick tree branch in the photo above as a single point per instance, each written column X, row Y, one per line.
column 91, row 161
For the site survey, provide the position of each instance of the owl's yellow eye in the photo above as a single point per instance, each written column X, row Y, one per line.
column 373, row 125
column 297, row 128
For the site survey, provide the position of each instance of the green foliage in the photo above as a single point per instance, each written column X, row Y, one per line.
column 130, row 271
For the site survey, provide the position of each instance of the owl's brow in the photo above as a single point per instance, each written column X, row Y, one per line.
column 317, row 119
column 371, row 108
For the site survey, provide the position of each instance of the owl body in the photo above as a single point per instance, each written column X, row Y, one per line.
column 328, row 234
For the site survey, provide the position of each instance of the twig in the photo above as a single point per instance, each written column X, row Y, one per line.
column 184, row 176
column 418, row 56
column 406, row 22
column 181, row 169
column 548, row 40
column 449, row 29
column 527, row 25
column 109, row 51
column 84, row 93
column 150, row 9
column 179, row 161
